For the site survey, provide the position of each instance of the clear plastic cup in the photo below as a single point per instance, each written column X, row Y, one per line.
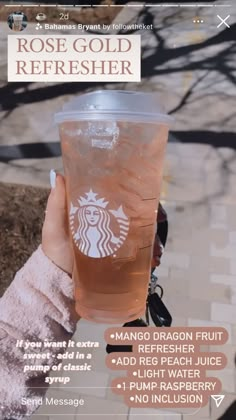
column 113, row 145
column 17, row 22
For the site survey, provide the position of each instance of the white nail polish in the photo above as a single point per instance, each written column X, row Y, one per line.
column 52, row 178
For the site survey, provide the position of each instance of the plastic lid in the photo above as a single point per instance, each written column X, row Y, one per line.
column 114, row 105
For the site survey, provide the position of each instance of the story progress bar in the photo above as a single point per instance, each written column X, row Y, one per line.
column 118, row 5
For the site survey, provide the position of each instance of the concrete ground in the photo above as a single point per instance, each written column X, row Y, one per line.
column 198, row 270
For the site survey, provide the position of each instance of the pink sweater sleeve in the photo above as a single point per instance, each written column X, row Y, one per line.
column 38, row 305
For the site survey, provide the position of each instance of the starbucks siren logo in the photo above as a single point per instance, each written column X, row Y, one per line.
column 90, row 224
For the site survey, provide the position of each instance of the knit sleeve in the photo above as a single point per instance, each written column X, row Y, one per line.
column 37, row 306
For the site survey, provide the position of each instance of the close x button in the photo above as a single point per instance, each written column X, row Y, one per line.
column 223, row 21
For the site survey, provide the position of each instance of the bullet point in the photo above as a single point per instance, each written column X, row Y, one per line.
column 113, row 361
column 131, row 398
column 119, row 386
column 135, row 373
column 112, row 336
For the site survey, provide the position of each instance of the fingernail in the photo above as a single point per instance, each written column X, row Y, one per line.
column 53, row 178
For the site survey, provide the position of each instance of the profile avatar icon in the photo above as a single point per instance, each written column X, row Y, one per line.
column 17, row 21
column 91, row 225
column 41, row 17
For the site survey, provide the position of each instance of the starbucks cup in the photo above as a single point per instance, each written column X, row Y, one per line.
column 17, row 21
column 113, row 145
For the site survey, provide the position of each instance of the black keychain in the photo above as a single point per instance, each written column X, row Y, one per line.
column 158, row 311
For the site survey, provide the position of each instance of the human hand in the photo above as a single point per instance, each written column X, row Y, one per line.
column 56, row 243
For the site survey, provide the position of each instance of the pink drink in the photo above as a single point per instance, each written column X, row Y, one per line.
column 113, row 170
